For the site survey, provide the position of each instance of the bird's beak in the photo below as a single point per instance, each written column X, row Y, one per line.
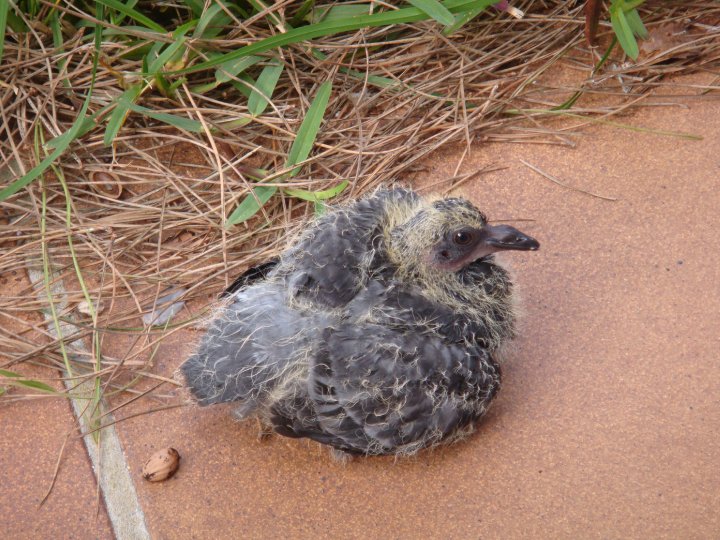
column 502, row 237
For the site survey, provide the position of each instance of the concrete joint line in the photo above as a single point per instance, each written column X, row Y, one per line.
column 108, row 459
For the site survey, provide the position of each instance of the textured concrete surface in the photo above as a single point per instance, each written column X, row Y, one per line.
column 608, row 422
column 31, row 437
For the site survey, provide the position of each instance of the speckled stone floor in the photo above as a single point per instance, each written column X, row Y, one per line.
column 608, row 424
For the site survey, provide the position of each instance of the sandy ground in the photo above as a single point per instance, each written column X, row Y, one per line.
column 608, row 424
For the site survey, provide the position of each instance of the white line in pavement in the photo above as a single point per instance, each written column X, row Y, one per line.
column 107, row 456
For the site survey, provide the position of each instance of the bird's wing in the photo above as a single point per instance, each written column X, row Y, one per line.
column 253, row 344
column 250, row 276
column 331, row 262
column 376, row 390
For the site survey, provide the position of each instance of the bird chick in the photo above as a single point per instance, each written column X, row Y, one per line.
column 374, row 333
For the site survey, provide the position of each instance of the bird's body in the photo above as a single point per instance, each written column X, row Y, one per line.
column 374, row 333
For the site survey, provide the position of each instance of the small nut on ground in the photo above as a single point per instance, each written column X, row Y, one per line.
column 161, row 465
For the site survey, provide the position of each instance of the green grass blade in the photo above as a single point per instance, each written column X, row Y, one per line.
column 235, row 67
column 86, row 126
column 572, row 99
column 232, row 124
column 631, row 4
column 54, row 23
column 376, row 80
column 636, row 24
column 435, row 10
column 231, row 68
column 624, row 33
column 117, row 19
column 17, row 379
column 4, row 6
column 196, row 6
column 228, row 72
column 13, row 21
column 120, row 112
column 45, row 255
column 211, row 22
column 170, row 52
column 179, row 122
column 305, row 33
column 317, row 195
column 305, row 138
column 299, row 151
column 301, row 13
column 338, row 13
column 264, row 88
column 133, row 14
column 97, row 344
column 124, row 32
column 244, row 84
column 461, row 19
column 260, row 6
column 251, row 204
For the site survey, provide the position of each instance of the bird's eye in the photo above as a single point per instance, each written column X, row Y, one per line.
column 462, row 238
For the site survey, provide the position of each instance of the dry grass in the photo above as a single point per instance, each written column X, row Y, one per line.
column 489, row 82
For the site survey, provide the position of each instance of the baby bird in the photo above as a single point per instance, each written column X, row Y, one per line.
column 374, row 333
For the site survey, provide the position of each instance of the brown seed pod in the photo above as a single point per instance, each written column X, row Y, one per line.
column 107, row 183
column 161, row 465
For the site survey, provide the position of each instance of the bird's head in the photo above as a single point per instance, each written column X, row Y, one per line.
column 447, row 235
